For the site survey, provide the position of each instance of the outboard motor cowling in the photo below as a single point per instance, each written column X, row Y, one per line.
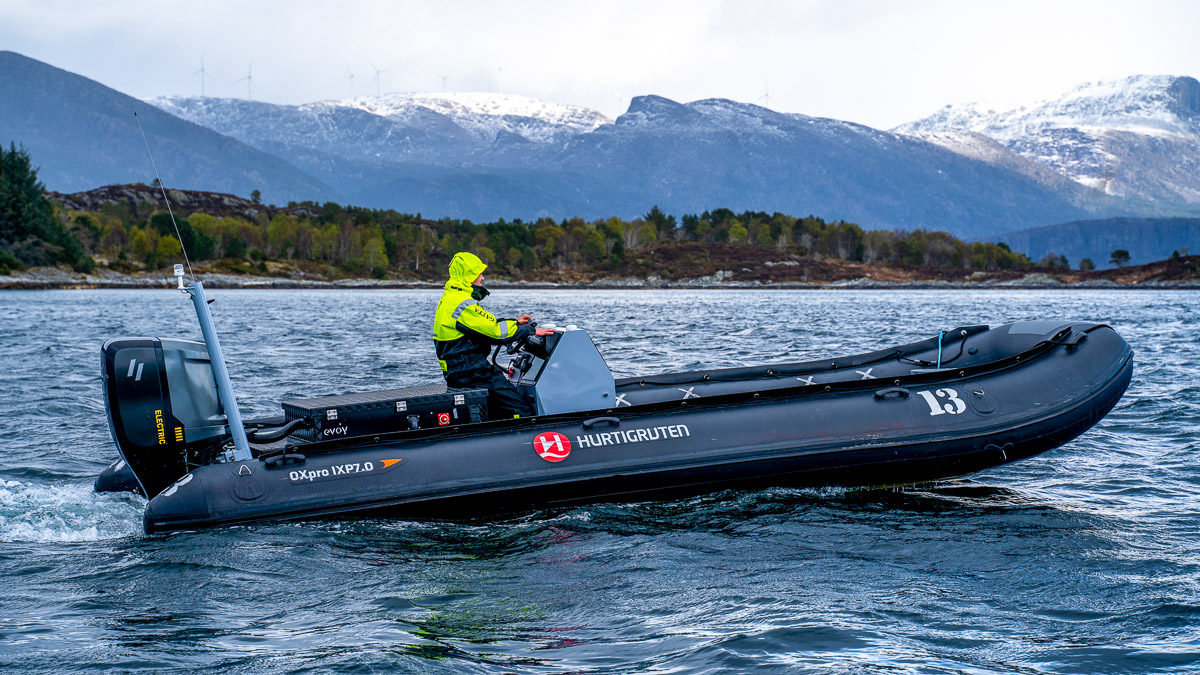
column 163, row 407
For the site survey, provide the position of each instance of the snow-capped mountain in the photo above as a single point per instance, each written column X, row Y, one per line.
column 1134, row 138
column 480, row 155
column 329, row 130
column 442, row 128
column 487, row 114
column 1146, row 104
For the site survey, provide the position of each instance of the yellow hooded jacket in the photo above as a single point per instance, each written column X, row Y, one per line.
column 464, row 332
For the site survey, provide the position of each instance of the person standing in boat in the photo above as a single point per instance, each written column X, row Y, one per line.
column 464, row 334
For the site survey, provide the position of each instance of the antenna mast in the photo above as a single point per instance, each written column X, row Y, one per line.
column 164, row 194
column 241, row 444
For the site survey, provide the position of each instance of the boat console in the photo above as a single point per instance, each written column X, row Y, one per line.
column 562, row 372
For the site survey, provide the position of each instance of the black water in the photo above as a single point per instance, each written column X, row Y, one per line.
column 1083, row 560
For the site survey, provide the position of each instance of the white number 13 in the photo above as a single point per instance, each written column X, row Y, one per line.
column 954, row 405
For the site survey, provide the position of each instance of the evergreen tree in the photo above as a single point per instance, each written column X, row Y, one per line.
column 664, row 225
column 235, row 248
column 29, row 232
column 1120, row 257
column 690, row 222
column 618, row 251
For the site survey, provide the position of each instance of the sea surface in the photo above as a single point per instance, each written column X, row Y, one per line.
column 1083, row 560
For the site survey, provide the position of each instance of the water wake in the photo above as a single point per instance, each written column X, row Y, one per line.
column 32, row 512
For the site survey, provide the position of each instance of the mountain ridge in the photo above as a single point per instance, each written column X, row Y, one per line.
column 1135, row 138
column 84, row 146
column 683, row 156
column 487, row 156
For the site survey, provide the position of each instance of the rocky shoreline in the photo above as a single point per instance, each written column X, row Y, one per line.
column 49, row 278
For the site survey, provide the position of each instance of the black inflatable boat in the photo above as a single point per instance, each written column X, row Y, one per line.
column 969, row 399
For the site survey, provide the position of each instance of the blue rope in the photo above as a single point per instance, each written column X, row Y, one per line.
column 940, row 334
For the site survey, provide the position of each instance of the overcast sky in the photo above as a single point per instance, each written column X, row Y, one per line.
column 874, row 62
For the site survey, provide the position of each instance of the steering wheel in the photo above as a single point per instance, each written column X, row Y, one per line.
column 516, row 345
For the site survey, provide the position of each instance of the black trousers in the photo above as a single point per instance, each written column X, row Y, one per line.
column 504, row 401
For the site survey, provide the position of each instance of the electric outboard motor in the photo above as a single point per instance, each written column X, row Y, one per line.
column 163, row 407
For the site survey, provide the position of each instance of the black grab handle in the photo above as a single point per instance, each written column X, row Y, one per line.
column 601, row 420
column 272, row 435
column 897, row 393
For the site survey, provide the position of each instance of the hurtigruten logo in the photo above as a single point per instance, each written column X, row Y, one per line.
column 552, row 446
column 633, row 436
column 555, row 447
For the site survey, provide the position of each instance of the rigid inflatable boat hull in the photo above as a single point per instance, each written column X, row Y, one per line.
column 910, row 429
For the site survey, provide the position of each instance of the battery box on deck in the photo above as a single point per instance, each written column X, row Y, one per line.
column 379, row 412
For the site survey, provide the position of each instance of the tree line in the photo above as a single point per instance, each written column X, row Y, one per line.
column 353, row 241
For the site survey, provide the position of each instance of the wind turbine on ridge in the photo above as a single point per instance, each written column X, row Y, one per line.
column 377, row 72
column 765, row 98
column 351, row 81
column 249, row 80
column 203, row 74
column 444, row 78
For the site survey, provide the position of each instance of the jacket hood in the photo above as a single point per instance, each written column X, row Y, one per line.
column 465, row 268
